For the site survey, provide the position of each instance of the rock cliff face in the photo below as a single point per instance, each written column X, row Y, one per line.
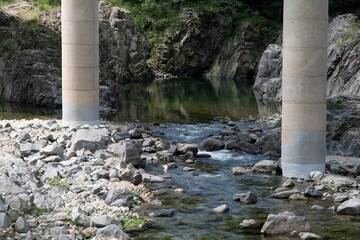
column 238, row 57
column 30, row 59
column 193, row 47
column 29, row 63
column 343, row 62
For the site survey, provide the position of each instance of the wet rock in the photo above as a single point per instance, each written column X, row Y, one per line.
column 127, row 152
column 317, row 208
column 248, row 197
column 203, row 155
column 221, row 209
column 179, row 190
column 308, row 236
column 103, row 221
column 238, row 170
column 165, row 157
column 120, row 136
column 227, row 132
column 265, row 166
column 285, row 194
column 183, row 148
column 111, row 232
column 152, row 178
column 298, row 197
column 2, row 207
column 131, row 174
column 21, row 225
column 211, row 144
column 241, row 146
column 349, row 207
column 284, row 223
column 163, row 213
column 188, row 169
column 52, row 150
column 341, row 198
column 187, row 156
column 135, row 134
column 120, row 198
column 271, row 142
column 250, row 224
column 312, row 193
column 5, row 221
column 289, row 183
column 90, row 139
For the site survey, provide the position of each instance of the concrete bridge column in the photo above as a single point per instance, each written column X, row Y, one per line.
column 80, row 62
column 304, row 87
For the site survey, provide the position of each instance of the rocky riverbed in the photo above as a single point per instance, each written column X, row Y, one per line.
column 122, row 180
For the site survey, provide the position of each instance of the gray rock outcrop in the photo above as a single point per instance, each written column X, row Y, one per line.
column 237, row 57
column 284, row 223
column 90, row 139
column 343, row 63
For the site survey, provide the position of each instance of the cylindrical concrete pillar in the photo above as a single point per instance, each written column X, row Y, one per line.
column 304, row 87
column 80, row 62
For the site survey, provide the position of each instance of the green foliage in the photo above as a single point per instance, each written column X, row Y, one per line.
column 40, row 211
column 134, row 223
column 349, row 34
column 59, row 181
column 11, row 45
column 42, row 4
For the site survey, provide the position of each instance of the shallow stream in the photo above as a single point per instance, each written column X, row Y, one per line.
column 212, row 185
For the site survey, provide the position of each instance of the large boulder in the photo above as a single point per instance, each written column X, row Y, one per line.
column 284, row 223
column 349, row 207
column 127, row 152
column 119, row 197
column 265, row 166
column 111, row 232
column 90, row 139
column 270, row 143
column 212, row 144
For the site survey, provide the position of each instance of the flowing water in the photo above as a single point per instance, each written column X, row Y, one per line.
column 212, row 185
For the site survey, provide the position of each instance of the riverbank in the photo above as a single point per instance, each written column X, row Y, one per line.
column 82, row 182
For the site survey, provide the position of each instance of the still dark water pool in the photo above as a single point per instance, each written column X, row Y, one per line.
column 186, row 100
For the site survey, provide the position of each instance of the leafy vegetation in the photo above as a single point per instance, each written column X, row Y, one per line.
column 59, row 181
column 134, row 223
column 42, row 4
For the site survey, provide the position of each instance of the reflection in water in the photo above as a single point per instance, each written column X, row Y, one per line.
column 186, row 101
column 268, row 109
column 22, row 111
column 174, row 101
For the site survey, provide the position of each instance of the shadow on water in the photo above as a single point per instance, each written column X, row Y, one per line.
column 186, row 100
column 22, row 111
